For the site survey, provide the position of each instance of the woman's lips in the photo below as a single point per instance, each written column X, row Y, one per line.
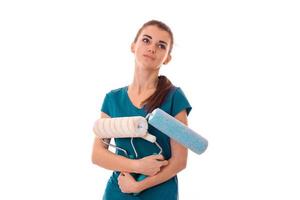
column 148, row 56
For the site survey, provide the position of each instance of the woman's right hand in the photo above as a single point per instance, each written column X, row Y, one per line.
column 151, row 165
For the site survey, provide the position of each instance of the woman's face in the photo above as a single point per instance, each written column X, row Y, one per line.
column 152, row 48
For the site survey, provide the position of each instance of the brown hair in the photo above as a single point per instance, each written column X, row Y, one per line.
column 164, row 85
column 163, row 88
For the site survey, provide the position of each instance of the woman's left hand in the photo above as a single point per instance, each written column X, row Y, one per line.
column 127, row 183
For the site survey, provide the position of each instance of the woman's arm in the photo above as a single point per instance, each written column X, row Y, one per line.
column 176, row 163
column 102, row 157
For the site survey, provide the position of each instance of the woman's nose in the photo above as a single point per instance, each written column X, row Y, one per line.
column 152, row 49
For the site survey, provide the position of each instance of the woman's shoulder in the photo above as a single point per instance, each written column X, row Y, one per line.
column 118, row 91
column 175, row 90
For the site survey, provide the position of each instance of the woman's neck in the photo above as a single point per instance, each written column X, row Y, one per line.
column 143, row 80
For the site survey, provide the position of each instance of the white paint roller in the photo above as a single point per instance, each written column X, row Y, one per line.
column 123, row 127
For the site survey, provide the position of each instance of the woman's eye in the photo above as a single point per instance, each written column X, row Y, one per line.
column 146, row 40
column 162, row 46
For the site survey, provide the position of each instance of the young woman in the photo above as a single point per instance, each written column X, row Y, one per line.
column 152, row 48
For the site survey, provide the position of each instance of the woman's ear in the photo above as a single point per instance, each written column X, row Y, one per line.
column 132, row 47
column 168, row 59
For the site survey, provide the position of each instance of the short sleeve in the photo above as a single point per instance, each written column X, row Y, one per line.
column 180, row 102
column 106, row 104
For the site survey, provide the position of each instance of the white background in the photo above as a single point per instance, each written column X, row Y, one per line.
column 237, row 62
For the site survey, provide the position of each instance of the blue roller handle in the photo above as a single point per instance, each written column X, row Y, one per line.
column 141, row 177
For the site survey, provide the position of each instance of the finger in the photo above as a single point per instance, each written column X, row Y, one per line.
column 164, row 163
column 153, row 174
column 125, row 174
column 159, row 157
column 121, row 174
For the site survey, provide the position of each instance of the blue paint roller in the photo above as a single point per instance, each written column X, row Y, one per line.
column 177, row 131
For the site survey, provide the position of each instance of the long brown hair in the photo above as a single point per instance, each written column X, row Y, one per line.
column 163, row 88
column 164, row 85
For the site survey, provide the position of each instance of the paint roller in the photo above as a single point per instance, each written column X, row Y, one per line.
column 123, row 127
column 177, row 131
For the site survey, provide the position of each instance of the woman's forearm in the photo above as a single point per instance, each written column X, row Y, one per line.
column 148, row 165
column 165, row 174
column 108, row 160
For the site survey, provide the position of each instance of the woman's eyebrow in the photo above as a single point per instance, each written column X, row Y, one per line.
column 148, row 36
column 163, row 42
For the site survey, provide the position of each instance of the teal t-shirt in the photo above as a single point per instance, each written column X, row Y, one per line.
column 118, row 104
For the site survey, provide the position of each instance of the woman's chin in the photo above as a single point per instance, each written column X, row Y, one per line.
column 146, row 65
column 150, row 67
